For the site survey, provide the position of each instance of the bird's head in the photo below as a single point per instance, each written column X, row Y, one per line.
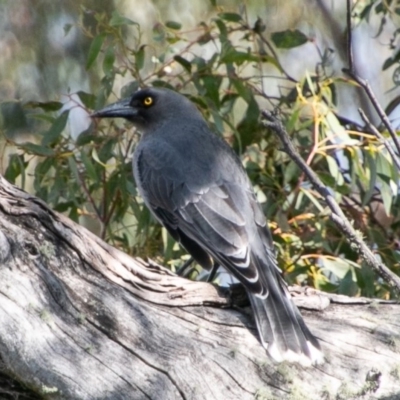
column 151, row 107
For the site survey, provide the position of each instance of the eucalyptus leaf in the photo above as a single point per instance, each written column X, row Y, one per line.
column 289, row 39
column 94, row 50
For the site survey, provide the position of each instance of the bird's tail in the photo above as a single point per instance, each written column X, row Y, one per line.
column 281, row 327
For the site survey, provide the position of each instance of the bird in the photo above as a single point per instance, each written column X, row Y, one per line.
column 197, row 188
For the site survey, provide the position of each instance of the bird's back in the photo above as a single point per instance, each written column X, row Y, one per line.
column 198, row 189
column 190, row 154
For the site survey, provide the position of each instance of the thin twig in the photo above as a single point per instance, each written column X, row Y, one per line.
column 349, row 37
column 88, row 194
column 381, row 138
column 384, row 118
column 337, row 214
column 364, row 83
column 275, row 56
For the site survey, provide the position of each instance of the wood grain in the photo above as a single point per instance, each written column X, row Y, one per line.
column 82, row 320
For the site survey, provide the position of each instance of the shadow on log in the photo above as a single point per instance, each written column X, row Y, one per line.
column 82, row 320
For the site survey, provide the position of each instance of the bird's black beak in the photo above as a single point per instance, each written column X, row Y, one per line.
column 121, row 109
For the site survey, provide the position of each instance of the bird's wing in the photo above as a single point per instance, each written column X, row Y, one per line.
column 222, row 218
column 218, row 218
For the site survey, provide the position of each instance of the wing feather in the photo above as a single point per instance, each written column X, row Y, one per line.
column 208, row 219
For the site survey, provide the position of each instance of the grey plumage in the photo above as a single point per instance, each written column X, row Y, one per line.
column 196, row 187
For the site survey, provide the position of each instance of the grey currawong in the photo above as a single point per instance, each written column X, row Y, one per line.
column 196, row 187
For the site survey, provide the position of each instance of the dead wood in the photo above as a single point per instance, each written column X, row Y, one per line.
column 82, row 320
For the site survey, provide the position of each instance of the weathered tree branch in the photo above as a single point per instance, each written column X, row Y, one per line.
column 337, row 214
column 82, row 320
column 381, row 138
column 364, row 84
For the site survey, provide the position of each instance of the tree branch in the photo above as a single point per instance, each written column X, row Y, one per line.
column 337, row 214
column 81, row 320
column 381, row 138
column 366, row 86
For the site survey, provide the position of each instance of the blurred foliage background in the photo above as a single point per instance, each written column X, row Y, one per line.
column 61, row 60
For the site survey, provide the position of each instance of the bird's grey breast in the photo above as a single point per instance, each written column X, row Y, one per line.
column 173, row 163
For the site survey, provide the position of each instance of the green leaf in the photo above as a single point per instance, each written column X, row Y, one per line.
column 89, row 167
column 139, row 57
column 387, row 197
column 243, row 91
column 383, row 167
column 238, row 57
column 43, row 168
column 108, row 62
column 231, row 17
column 396, row 76
column 356, row 168
column 391, row 61
column 94, row 49
column 46, row 106
column 338, row 131
column 334, row 170
column 337, row 266
column 366, row 279
column 365, row 13
column 223, row 31
column 106, row 151
column 348, row 285
column 185, row 63
column 56, row 129
column 371, row 165
column 219, row 123
column 162, row 84
column 291, row 172
column 173, row 25
column 311, row 196
column 105, row 89
column 384, row 179
column 212, row 84
column 63, row 206
column 392, row 105
column 87, row 99
column 38, row 150
column 248, row 126
column 119, row 20
column 289, row 39
column 86, row 137
column 74, row 168
column 16, row 167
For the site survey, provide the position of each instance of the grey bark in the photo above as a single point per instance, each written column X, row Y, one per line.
column 82, row 320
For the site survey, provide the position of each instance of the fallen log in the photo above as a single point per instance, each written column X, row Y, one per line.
column 79, row 319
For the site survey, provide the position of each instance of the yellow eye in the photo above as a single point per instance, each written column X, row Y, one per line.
column 148, row 101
